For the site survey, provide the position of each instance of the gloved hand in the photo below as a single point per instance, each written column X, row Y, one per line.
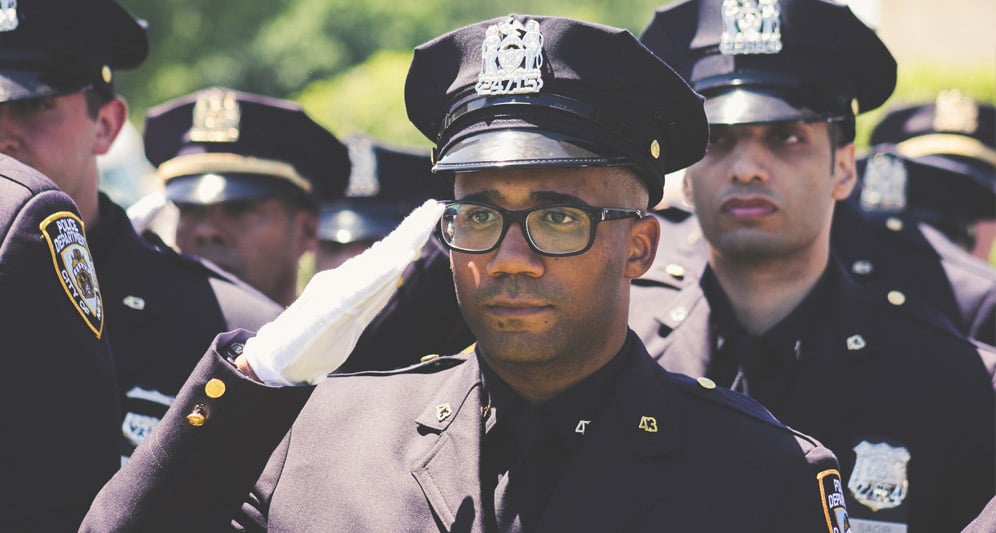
column 316, row 334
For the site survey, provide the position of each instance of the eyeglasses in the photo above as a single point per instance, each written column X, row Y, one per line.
column 553, row 229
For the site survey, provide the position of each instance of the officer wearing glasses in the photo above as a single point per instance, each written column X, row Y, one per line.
column 559, row 420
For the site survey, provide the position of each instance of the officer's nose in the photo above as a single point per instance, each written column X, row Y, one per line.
column 514, row 256
column 200, row 226
column 749, row 162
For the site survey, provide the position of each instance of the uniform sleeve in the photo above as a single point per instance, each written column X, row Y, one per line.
column 59, row 388
column 814, row 496
column 196, row 469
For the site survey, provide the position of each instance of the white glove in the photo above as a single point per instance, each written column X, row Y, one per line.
column 316, row 334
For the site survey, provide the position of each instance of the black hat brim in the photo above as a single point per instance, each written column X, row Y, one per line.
column 520, row 149
column 212, row 188
column 752, row 106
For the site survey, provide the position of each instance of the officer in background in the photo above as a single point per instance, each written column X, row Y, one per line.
column 60, row 378
column 929, row 178
column 247, row 173
column 559, row 421
column 902, row 399
column 59, row 113
column 385, row 184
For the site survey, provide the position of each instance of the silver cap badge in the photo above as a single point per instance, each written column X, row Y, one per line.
column 884, row 185
column 751, row 27
column 879, row 477
column 511, row 57
column 8, row 15
column 955, row 112
column 216, row 117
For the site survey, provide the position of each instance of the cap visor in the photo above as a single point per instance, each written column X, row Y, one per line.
column 214, row 188
column 521, row 149
column 344, row 224
column 22, row 85
column 745, row 106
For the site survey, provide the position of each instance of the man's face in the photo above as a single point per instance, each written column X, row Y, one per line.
column 530, row 309
column 767, row 190
column 56, row 136
column 260, row 241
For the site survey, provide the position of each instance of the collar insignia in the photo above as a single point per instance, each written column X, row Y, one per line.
column 883, row 186
column 74, row 266
column 511, row 57
column 751, row 27
column 879, row 478
column 216, row 117
column 8, row 15
column 955, row 112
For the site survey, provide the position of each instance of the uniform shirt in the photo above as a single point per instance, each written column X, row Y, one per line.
column 402, row 451
column 163, row 310
column 901, row 398
column 59, row 445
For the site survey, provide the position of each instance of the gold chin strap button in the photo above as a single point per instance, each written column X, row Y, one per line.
column 214, row 388
column 706, row 383
column 198, row 416
column 896, row 298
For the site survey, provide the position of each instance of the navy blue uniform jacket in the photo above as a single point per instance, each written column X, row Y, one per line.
column 371, row 452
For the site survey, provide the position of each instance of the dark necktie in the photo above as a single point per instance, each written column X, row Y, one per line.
column 522, row 493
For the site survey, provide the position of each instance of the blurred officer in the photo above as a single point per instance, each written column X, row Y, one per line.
column 900, row 398
column 58, row 112
column 384, row 185
column 247, row 173
column 59, row 382
column 559, row 421
column 929, row 179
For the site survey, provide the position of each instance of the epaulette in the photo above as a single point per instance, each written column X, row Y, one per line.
column 428, row 364
column 705, row 389
column 896, row 302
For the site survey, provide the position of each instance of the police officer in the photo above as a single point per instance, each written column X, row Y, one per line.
column 883, row 381
column 58, row 113
column 60, row 377
column 247, row 173
column 384, row 185
column 929, row 178
column 559, row 421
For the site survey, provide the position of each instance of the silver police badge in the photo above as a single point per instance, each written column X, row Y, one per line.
column 8, row 15
column 216, row 117
column 74, row 266
column 883, row 186
column 751, row 27
column 879, row 478
column 511, row 57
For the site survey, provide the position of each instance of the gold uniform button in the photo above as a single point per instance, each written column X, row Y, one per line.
column 215, row 388
column 706, row 383
column 675, row 271
column 105, row 73
column 894, row 224
column 198, row 416
column 896, row 298
column 430, row 357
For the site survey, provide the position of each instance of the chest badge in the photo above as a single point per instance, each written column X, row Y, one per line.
column 879, row 478
column 63, row 232
column 8, row 15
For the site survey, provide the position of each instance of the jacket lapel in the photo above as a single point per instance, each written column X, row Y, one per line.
column 449, row 472
column 614, row 469
column 688, row 349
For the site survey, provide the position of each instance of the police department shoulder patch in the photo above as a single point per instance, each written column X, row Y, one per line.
column 834, row 508
column 74, row 266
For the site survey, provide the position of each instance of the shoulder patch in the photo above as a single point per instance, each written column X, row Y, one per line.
column 63, row 232
column 834, row 508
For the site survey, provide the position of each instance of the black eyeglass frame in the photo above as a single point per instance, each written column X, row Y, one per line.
column 518, row 216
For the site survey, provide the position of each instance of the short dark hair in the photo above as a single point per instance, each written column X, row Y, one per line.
column 841, row 132
column 96, row 99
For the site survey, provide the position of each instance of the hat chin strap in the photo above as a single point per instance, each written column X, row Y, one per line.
column 221, row 163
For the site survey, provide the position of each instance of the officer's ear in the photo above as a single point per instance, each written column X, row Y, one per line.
column 110, row 119
column 844, row 171
column 643, row 238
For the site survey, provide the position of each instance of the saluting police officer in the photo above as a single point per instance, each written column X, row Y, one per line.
column 59, row 113
column 929, row 178
column 61, row 442
column 559, row 421
column 247, row 173
column 882, row 380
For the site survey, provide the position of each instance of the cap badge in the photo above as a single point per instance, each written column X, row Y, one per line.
column 216, row 117
column 511, row 57
column 751, row 27
column 8, row 15
column 955, row 111
column 363, row 180
column 884, row 185
column 879, row 477
column 66, row 240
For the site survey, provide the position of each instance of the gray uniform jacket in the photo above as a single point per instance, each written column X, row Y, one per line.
column 400, row 451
